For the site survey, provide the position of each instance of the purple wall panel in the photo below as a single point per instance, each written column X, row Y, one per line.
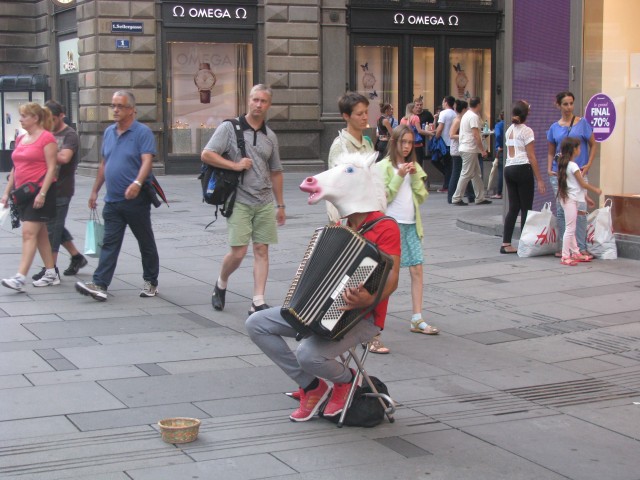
column 541, row 38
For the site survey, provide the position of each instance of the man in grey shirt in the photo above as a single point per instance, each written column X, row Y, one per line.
column 253, row 218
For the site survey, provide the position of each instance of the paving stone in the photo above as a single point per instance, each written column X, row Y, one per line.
column 35, row 427
column 134, row 416
column 569, row 446
column 153, row 352
column 516, row 377
column 22, row 362
column 205, row 365
column 198, row 386
column 152, row 369
column 15, row 333
column 119, row 326
column 250, row 404
column 46, row 344
column 47, row 400
column 341, row 455
column 13, row 381
column 61, row 364
column 238, row 468
column 84, row 375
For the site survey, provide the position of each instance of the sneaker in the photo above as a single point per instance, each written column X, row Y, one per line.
column 339, row 395
column 256, row 308
column 484, row 202
column 15, row 283
column 40, row 274
column 497, row 196
column 310, row 402
column 48, row 279
column 442, row 190
column 149, row 290
column 92, row 290
column 217, row 297
column 77, row 262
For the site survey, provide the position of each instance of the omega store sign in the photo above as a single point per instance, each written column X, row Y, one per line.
column 416, row 21
column 236, row 15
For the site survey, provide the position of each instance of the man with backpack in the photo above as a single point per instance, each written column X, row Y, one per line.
column 253, row 219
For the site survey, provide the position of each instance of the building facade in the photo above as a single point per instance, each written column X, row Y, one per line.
column 191, row 64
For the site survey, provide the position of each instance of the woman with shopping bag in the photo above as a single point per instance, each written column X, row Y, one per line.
column 519, row 172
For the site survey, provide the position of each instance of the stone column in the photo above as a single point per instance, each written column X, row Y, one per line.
column 105, row 69
column 335, row 68
column 291, row 65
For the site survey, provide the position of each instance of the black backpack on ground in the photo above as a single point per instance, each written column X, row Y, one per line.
column 219, row 185
column 364, row 411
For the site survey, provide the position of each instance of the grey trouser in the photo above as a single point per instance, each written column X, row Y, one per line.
column 470, row 171
column 315, row 356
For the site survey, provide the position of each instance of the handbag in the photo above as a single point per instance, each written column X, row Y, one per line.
column 94, row 235
column 417, row 138
column 539, row 235
column 24, row 193
column 601, row 242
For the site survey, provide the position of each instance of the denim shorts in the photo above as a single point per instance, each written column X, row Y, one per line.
column 252, row 223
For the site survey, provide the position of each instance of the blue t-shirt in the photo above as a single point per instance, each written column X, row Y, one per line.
column 123, row 157
column 498, row 131
column 580, row 130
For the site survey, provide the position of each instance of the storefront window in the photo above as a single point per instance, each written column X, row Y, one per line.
column 377, row 77
column 612, row 66
column 470, row 74
column 207, row 83
column 423, row 75
column 12, row 102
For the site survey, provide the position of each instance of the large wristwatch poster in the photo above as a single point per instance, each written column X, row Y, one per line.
column 208, row 84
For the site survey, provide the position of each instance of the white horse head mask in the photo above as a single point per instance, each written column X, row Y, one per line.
column 354, row 185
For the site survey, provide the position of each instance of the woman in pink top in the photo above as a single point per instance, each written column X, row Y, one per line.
column 412, row 120
column 34, row 160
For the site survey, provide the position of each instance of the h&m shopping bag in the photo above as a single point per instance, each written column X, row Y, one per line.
column 539, row 235
column 5, row 212
column 601, row 242
column 94, row 235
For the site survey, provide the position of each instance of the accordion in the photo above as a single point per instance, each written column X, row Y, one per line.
column 336, row 258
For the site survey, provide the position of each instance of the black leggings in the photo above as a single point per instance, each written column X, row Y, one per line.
column 519, row 180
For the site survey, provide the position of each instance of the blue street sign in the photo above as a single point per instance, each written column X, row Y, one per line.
column 127, row 27
column 122, row 44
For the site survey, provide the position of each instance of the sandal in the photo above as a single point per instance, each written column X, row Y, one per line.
column 424, row 328
column 584, row 253
column 578, row 257
column 376, row 346
column 568, row 261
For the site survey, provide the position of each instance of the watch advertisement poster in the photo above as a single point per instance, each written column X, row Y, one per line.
column 205, row 89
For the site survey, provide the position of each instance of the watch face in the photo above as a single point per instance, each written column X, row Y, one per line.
column 461, row 79
column 205, row 79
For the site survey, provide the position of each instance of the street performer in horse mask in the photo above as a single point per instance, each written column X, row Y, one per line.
column 356, row 190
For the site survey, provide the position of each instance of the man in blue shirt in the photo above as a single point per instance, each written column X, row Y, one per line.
column 128, row 149
column 498, row 163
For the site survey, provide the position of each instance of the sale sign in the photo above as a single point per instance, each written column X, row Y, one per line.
column 600, row 112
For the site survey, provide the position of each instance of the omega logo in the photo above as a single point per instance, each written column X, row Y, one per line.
column 180, row 12
column 400, row 19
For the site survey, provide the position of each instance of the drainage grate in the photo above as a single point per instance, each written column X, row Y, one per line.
column 573, row 393
column 554, row 328
column 608, row 342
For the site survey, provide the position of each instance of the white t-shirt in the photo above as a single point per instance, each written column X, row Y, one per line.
column 574, row 190
column 402, row 208
column 515, row 140
column 468, row 122
column 446, row 117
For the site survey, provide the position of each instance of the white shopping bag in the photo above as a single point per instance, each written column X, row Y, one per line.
column 539, row 235
column 601, row 242
column 5, row 212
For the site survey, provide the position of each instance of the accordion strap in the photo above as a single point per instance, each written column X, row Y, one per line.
column 369, row 225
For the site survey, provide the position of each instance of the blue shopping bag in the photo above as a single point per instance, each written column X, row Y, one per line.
column 94, row 235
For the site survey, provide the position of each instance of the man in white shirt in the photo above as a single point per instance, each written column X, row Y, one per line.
column 470, row 146
column 445, row 119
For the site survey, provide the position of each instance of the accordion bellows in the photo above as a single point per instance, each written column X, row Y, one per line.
column 336, row 258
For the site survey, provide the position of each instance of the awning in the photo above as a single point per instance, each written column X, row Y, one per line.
column 23, row 83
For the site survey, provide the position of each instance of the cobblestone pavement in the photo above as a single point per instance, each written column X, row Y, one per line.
column 535, row 375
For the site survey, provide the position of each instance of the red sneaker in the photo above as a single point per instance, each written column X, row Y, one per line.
column 310, row 402
column 339, row 395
